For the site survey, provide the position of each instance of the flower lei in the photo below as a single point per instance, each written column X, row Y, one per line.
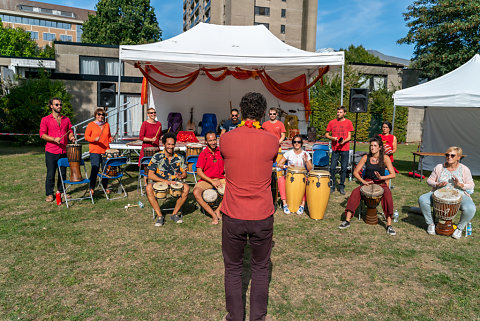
column 250, row 124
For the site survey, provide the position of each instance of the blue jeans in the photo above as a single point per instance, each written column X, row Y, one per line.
column 467, row 207
column 96, row 161
column 343, row 156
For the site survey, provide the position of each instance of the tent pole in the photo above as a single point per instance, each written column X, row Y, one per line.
column 393, row 118
column 341, row 92
column 118, row 91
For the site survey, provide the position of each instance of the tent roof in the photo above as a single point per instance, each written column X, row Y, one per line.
column 458, row 88
column 212, row 45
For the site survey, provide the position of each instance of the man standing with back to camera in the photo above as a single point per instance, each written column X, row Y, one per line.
column 248, row 209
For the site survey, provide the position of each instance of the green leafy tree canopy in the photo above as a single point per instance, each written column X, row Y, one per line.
column 122, row 22
column 360, row 55
column 445, row 33
column 17, row 42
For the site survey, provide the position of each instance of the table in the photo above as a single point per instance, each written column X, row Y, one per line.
column 421, row 155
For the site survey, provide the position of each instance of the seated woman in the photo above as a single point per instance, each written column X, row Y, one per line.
column 294, row 157
column 455, row 175
column 375, row 163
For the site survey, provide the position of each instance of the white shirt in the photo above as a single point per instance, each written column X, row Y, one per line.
column 295, row 159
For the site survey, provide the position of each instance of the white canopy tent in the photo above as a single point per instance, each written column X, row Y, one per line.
column 452, row 113
column 212, row 46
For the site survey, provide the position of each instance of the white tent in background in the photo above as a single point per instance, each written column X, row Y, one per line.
column 452, row 113
column 212, row 46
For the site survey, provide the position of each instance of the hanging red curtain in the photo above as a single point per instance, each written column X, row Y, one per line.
column 144, row 93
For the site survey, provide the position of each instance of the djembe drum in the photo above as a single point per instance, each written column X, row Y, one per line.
column 160, row 190
column 176, row 189
column 318, row 193
column 111, row 170
column 372, row 195
column 149, row 152
column 74, row 155
column 210, row 196
column 446, row 203
column 192, row 150
column 295, row 187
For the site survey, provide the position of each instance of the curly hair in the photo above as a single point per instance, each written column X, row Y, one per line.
column 169, row 135
column 381, row 151
column 253, row 106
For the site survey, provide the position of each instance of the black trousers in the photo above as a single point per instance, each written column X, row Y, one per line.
column 51, row 163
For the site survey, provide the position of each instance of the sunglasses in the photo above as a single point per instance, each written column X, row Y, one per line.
column 297, row 142
column 447, row 155
column 234, row 115
column 100, row 114
column 272, row 113
column 152, row 112
column 58, row 105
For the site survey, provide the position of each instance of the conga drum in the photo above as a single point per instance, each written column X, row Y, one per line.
column 221, row 190
column 274, row 186
column 210, row 196
column 149, row 152
column 160, row 190
column 111, row 153
column 446, row 203
column 176, row 189
column 278, row 169
column 318, row 193
column 372, row 195
column 74, row 155
column 295, row 187
column 192, row 150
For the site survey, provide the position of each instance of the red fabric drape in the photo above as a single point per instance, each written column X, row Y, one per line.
column 294, row 90
column 144, row 93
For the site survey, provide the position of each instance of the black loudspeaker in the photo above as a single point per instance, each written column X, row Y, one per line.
column 358, row 100
column 105, row 94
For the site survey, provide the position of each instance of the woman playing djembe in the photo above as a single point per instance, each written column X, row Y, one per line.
column 375, row 163
column 454, row 175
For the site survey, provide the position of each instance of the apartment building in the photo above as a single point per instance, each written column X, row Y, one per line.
column 45, row 22
column 292, row 21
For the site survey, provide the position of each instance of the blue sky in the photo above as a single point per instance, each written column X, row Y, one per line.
column 375, row 24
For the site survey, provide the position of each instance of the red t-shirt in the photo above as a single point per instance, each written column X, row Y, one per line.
column 211, row 163
column 276, row 128
column 49, row 126
column 248, row 154
column 340, row 129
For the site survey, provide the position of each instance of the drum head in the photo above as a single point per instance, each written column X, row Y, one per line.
column 160, row 186
column 73, row 145
column 209, row 195
column 372, row 190
column 176, row 185
column 448, row 195
column 194, row 145
column 319, row 173
column 221, row 189
column 296, row 170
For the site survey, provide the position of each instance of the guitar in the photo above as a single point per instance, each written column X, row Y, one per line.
column 191, row 124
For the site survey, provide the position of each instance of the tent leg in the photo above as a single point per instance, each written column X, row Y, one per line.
column 341, row 92
column 393, row 118
column 118, row 93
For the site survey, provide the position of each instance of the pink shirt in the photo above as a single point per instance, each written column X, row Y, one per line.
column 248, row 154
column 49, row 126
column 211, row 163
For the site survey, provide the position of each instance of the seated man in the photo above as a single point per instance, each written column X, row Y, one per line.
column 211, row 171
column 168, row 167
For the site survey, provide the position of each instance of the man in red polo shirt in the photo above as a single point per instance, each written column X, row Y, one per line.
column 247, row 208
column 211, row 171
column 54, row 129
column 275, row 126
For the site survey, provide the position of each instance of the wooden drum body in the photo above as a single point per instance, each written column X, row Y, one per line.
column 295, row 187
column 192, row 150
column 318, row 193
column 372, row 195
column 176, row 189
column 160, row 190
column 446, row 203
column 111, row 170
column 221, row 190
column 74, row 155
column 210, row 196
column 149, row 152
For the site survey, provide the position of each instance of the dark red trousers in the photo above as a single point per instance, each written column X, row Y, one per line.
column 387, row 201
column 234, row 238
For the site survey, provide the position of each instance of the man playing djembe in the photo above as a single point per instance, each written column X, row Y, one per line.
column 210, row 169
column 167, row 167
column 375, row 163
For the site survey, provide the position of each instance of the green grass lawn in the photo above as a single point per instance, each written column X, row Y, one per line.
column 102, row 262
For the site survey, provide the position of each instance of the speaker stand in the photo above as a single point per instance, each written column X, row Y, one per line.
column 354, row 142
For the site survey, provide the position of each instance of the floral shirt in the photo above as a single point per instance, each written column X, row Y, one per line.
column 166, row 169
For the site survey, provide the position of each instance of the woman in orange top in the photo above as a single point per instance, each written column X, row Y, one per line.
column 98, row 134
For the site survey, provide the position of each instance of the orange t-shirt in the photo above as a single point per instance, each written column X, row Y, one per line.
column 92, row 132
column 276, row 128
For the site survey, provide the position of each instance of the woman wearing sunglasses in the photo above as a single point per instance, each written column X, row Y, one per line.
column 99, row 137
column 294, row 157
column 150, row 133
column 454, row 175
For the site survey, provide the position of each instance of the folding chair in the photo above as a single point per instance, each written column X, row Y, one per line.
column 141, row 173
column 63, row 162
column 119, row 162
column 320, row 155
column 193, row 160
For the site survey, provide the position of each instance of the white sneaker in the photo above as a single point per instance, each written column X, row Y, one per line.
column 301, row 209
column 285, row 209
column 431, row 229
column 457, row 234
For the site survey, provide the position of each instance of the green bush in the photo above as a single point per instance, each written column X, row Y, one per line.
column 27, row 102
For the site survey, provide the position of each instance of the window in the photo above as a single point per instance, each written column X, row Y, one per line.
column 99, row 66
column 33, row 35
column 262, row 11
column 79, row 33
column 282, row 28
column 262, row 23
column 284, row 13
column 373, row 82
column 48, row 36
column 66, row 38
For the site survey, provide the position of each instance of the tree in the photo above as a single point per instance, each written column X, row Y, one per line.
column 361, row 55
column 17, row 42
column 122, row 22
column 446, row 33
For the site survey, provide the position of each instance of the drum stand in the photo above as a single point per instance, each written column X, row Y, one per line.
column 444, row 227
